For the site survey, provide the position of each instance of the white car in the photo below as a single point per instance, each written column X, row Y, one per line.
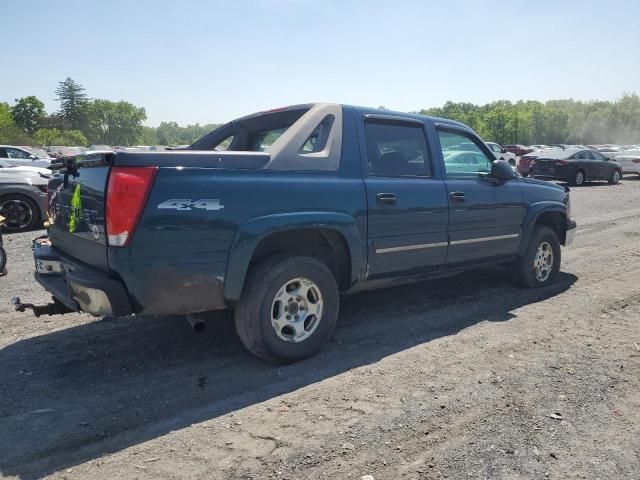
column 629, row 160
column 21, row 157
column 501, row 154
column 6, row 167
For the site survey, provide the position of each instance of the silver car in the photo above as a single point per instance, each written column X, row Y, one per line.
column 21, row 157
column 23, row 201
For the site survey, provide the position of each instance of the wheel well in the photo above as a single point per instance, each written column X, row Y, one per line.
column 325, row 245
column 556, row 221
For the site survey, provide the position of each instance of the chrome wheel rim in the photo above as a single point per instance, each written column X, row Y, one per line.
column 18, row 214
column 616, row 176
column 579, row 178
column 543, row 261
column 296, row 310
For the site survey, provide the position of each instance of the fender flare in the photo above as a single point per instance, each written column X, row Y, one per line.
column 252, row 232
column 533, row 213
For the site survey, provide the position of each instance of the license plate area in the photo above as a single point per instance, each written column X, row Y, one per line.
column 49, row 267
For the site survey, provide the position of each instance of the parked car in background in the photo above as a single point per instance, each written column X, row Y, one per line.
column 518, row 150
column 576, row 166
column 501, row 153
column 525, row 162
column 22, row 157
column 629, row 161
column 6, row 167
column 23, row 201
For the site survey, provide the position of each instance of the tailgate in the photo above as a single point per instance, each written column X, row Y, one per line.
column 76, row 208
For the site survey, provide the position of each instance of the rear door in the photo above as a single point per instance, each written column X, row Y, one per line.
column 406, row 200
column 77, row 208
column 485, row 215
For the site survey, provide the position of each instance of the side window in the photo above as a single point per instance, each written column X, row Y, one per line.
column 496, row 148
column 397, row 150
column 3, row 153
column 224, row 144
column 584, row 155
column 15, row 153
column 462, row 157
column 597, row 156
column 318, row 138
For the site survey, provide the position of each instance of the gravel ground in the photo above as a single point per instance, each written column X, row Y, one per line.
column 467, row 377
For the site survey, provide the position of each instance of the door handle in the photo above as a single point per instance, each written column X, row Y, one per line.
column 386, row 199
column 457, row 196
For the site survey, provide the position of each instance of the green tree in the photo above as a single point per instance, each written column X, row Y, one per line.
column 114, row 123
column 10, row 133
column 148, row 136
column 73, row 103
column 28, row 113
column 54, row 136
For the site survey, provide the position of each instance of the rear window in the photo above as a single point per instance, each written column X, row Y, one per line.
column 255, row 133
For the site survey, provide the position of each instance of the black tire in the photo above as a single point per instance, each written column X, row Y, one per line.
column 3, row 261
column 512, row 162
column 9, row 223
column 524, row 267
column 615, row 179
column 579, row 178
column 253, row 314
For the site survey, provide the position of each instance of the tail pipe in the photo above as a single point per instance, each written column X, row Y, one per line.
column 196, row 321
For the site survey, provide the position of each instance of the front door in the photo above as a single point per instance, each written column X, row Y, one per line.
column 485, row 215
column 407, row 203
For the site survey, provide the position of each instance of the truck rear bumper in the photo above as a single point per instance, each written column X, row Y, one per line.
column 78, row 286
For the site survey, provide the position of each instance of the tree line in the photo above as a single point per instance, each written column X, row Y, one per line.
column 556, row 121
column 83, row 121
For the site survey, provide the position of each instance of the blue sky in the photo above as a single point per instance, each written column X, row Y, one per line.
column 207, row 61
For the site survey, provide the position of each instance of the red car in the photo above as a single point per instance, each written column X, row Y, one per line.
column 518, row 150
column 524, row 163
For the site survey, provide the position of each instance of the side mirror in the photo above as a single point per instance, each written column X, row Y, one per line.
column 33, row 157
column 501, row 170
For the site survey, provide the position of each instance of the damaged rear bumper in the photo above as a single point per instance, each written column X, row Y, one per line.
column 78, row 286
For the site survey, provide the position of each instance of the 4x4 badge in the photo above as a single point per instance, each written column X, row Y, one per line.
column 183, row 204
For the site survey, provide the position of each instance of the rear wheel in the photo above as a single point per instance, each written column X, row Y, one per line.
column 615, row 177
column 540, row 263
column 288, row 308
column 579, row 178
column 21, row 213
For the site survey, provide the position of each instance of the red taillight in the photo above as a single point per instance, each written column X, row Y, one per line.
column 560, row 162
column 126, row 196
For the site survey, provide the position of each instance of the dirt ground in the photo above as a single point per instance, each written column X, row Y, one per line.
column 468, row 377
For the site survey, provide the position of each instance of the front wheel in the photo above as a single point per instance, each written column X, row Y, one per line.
column 288, row 308
column 540, row 263
column 615, row 177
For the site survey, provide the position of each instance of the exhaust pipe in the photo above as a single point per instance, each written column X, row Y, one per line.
column 197, row 322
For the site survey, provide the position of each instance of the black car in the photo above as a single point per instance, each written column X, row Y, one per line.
column 576, row 166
